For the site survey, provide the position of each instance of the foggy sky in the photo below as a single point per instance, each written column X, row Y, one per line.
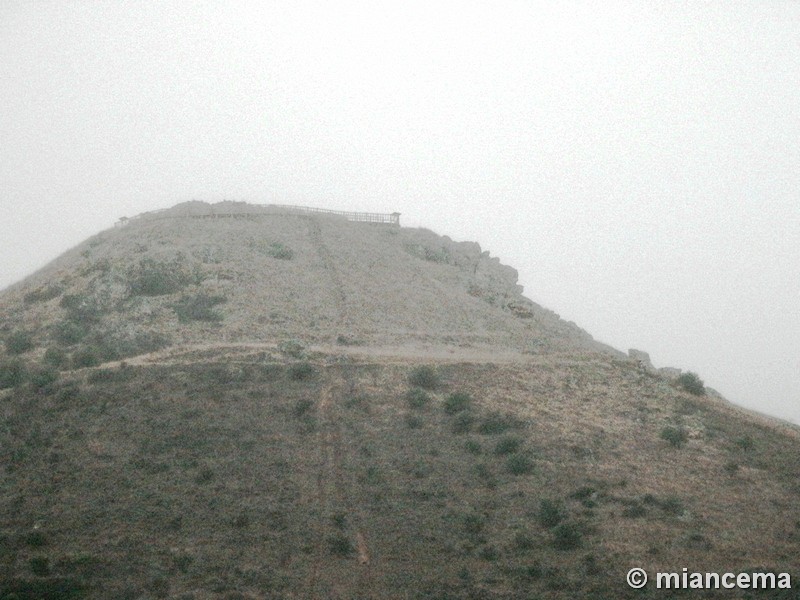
column 637, row 162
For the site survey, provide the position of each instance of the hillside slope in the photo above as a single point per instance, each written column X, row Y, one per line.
column 296, row 406
column 285, row 276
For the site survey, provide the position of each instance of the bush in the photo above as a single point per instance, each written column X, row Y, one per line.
column 523, row 542
column 40, row 566
column 496, row 422
column 473, row 447
column 111, row 375
column 508, row 445
column 634, row 511
column 413, row 422
column 456, row 402
column 301, row 371
column 340, row 545
column 292, row 348
column 462, row 423
column 551, row 513
column 114, row 347
column 12, row 373
column 55, row 357
column 417, row 398
column 43, row 377
column 43, row 294
column 519, row 464
column 692, row 384
column 473, row 523
column 81, row 308
column 746, row 443
column 199, row 307
column 676, row 436
column 19, row 342
column 424, row 377
column 301, row 407
column 86, row 356
column 69, row 332
column 278, row 250
column 567, row 536
column 153, row 278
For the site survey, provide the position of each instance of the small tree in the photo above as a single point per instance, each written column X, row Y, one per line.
column 676, row 436
column 692, row 383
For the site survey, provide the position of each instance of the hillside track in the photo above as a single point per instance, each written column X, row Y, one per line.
column 329, row 266
column 334, row 498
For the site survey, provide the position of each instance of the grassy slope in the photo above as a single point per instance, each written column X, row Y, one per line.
column 255, row 479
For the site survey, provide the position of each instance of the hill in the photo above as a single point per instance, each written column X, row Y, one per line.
column 274, row 404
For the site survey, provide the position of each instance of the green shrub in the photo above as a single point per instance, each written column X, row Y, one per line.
column 731, row 468
column 489, row 553
column 42, row 294
column 456, row 402
column 68, row 332
column 110, row 375
column 292, row 348
column 115, row 346
column 567, row 536
column 484, row 473
column 672, row 505
column 68, row 392
column 340, row 545
column 85, row 356
column 473, row 523
column 425, row 377
column 523, row 542
column 462, row 423
column 585, row 495
column 42, row 377
column 35, row 539
column 199, row 307
column 40, row 566
column 301, row 407
column 634, row 511
column 508, row 445
column 495, row 423
column 81, row 308
column 55, row 357
column 50, row 588
column 278, row 250
column 417, row 397
column 154, row 278
column 692, row 383
column 676, row 436
column 12, row 373
column 519, row 464
column 746, row 443
column 551, row 513
column 413, row 422
column 473, row 447
column 19, row 342
column 300, row 371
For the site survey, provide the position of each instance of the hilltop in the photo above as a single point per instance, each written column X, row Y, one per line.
column 236, row 402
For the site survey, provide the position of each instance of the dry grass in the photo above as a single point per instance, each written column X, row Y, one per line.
column 208, row 476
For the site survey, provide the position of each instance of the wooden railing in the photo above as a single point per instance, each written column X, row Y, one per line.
column 363, row 217
column 211, row 211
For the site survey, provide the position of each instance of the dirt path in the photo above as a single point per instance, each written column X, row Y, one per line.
column 334, row 497
column 386, row 354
